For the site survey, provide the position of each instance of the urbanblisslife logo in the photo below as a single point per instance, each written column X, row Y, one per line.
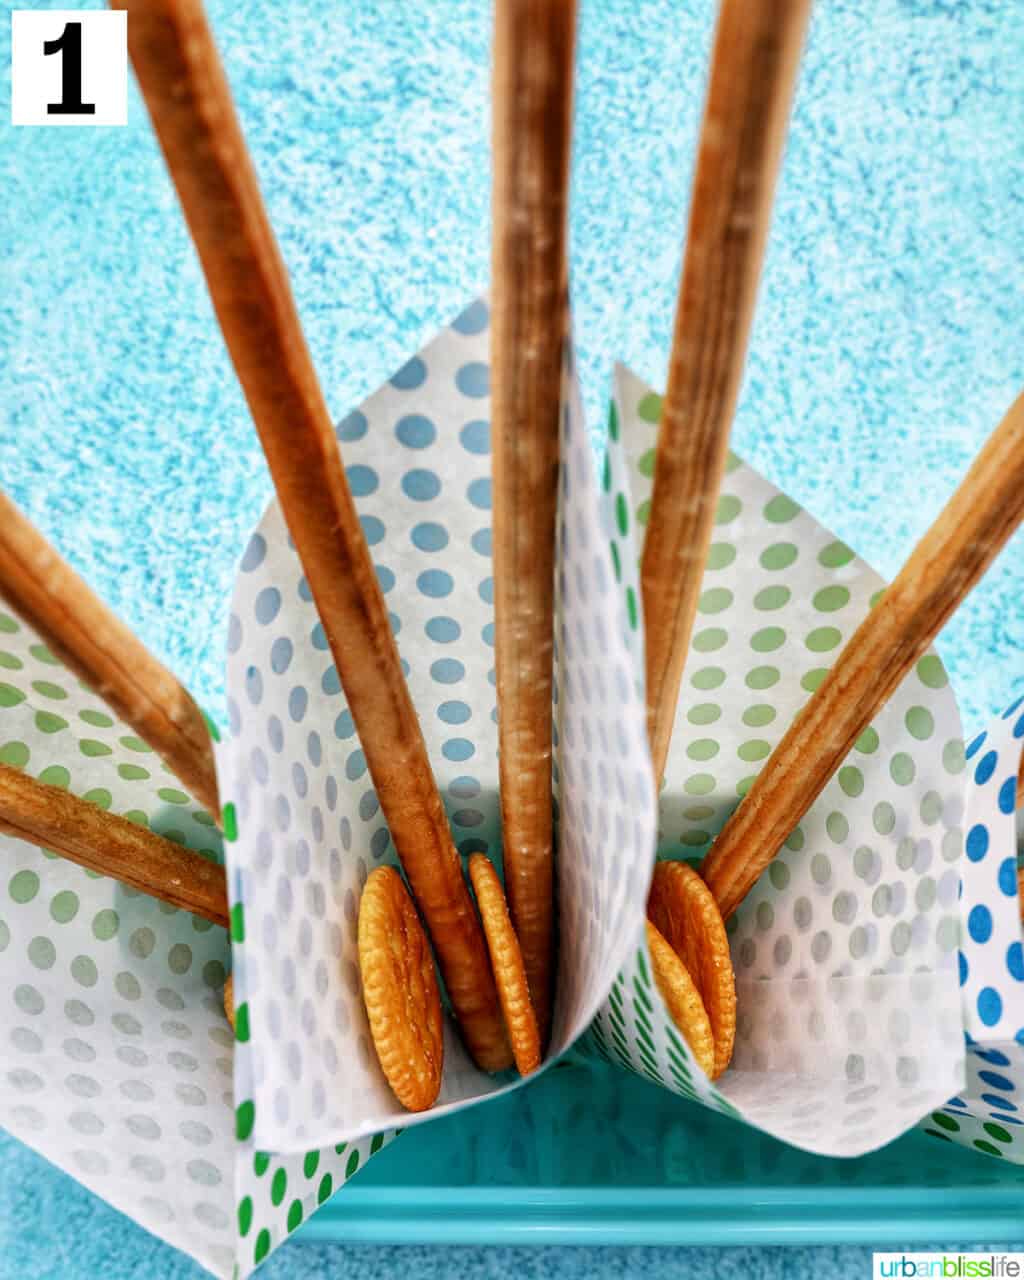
column 948, row 1266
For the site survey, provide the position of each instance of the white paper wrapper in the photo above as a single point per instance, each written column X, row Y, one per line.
column 116, row 1057
column 309, row 823
column 988, row 1113
column 849, row 1027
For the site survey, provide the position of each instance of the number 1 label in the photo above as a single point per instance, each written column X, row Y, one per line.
column 69, row 67
column 69, row 44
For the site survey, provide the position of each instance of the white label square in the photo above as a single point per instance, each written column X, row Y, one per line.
column 69, row 67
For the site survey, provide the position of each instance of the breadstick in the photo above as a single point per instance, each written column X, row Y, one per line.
column 102, row 652
column 55, row 819
column 183, row 83
column 533, row 69
column 950, row 558
column 753, row 70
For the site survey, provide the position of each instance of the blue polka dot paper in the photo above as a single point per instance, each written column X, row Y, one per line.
column 991, row 955
column 988, row 1113
column 309, row 824
column 849, row 1026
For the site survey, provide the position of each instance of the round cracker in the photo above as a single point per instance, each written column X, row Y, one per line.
column 229, row 1000
column 507, row 963
column 400, row 990
column 684, row 911
column 680, row 994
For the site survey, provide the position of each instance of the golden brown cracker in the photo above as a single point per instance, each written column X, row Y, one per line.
column 507, row 963
column 400, row 990
column 229, row 1000
column 680, row 994
column 682, row 908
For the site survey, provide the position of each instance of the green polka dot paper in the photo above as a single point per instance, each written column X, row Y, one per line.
column 117, row 1058
column 309, row 825
column 849, row 1025
column 988, row 1112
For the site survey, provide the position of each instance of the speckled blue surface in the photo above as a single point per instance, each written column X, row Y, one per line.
column 887, row 343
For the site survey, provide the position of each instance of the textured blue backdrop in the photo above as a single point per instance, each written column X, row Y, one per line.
column 887, row 342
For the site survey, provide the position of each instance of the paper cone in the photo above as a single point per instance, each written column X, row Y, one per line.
column 117, row 1057
column 848, row 1018
column 309, row 827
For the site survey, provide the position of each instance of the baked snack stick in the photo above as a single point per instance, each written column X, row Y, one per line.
column 183, row 83
column 753, row 70
column 55, row 819
column 96, row 645
column 532, row 125
column 950, row 558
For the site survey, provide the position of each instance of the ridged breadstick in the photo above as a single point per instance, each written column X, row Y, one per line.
column 183, row 83
column 950, row 558
column 96, row 645
column 55, row 819
column 753, row 70
column 533, row 73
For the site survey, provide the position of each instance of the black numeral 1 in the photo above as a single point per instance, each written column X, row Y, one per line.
column 69, row 44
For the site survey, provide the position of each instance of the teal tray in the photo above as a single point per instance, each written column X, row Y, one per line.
column 590, row 1155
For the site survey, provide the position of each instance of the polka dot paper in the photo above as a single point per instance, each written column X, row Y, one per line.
column 988, row 1113
column 116, row 1058
column 305, row 816
column 991, row 955
column 118, row 1063
column 845, row 951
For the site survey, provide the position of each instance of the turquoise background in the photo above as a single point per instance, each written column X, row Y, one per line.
column 887, row 345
